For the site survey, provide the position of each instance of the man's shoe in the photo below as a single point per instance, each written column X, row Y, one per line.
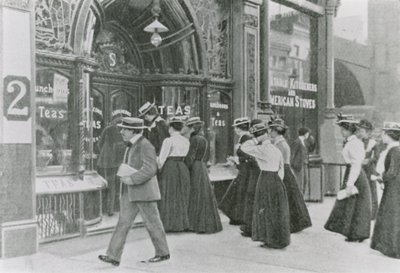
column 245, row 234
column 157, row 259
column 107, row 259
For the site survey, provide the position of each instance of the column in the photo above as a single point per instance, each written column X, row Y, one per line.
column 17, row 139
column 264, row 49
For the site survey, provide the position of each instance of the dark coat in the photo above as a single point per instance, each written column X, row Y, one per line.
column 299, row 155
column 156, row 133
column 143, row 185
column 111, row 147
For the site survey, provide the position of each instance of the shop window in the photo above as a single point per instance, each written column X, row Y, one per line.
column 219, row 132
column 293, row 83
column 54, row 107
column 174, row 100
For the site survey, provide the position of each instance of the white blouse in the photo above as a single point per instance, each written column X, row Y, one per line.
column 269, row 158
column 353, row 154
column 175, row 145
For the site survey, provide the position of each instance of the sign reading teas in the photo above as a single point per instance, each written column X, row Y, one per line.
column 293, row 93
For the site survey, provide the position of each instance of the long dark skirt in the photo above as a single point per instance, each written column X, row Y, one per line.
column 386, row 237
column 351, row 217
column 175, row 189
column 233, row 201
column 374, row 193
column 203, row 207
column 271, row 223
column 299, row 216
column 249, row 200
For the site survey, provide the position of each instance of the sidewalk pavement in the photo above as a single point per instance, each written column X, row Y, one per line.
column 312, row 250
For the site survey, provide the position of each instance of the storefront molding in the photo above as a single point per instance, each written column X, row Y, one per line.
column 303, row 6
column 18, row 4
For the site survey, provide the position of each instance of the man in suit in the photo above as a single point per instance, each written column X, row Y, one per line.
column 111, row 146
column 139, row 193
column 299, row 159
column 157, row 128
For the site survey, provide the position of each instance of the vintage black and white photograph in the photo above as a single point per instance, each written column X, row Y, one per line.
column 200, row 136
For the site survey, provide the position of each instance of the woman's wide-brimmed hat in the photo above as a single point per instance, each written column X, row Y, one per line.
column 278, row 123
column 194, row 120
column 177, row 119
column 240, row 121
column 342, row 119
column 391, row 126
column 258, row 127
column 145, row 108
column 365, row 124
column 132, row 123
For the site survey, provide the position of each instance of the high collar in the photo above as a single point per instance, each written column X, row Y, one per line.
column 351, row 138
column 279, row 139
column 266, row 142
column 391, row 145
column 135, row 138
column 175, row 134
column 244, row 133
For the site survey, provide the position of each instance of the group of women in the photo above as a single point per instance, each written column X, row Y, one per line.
column 265, row 198
column 352, row 214
column 187, row 198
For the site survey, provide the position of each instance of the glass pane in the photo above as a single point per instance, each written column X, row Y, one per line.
column 293, row 63
column 219, row 131
column 122, row 104
column 53, row 122
column 98, row 119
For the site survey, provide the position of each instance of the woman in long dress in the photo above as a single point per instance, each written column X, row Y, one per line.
column 299, row 216
column 271, row 223
column 175, row 179
column 246, row 227
column 233, row 201
column 351, row 216
column 203, row 208
column 386, row 236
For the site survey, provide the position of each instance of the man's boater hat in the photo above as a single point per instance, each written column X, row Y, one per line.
column 177, row 119
column 258, row 127
column 194, row 120
column 145, row 108
column 391, row 126
column 240, row 121
column 278, row 123
column 132, row 123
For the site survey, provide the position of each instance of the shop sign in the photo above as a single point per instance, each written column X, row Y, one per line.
column 17, row 97
column 292, row 93
column 171, row 110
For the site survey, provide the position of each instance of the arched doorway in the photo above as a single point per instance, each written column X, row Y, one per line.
column 347, row 87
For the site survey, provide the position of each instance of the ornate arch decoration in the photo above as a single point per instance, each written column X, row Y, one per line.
column 347, row 88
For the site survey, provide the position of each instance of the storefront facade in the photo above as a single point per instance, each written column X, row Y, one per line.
column 220, row 59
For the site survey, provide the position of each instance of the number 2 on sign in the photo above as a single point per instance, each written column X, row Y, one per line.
column 12, row 109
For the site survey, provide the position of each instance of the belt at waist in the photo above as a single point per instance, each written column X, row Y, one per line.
column 176, row 158
column 264, row 171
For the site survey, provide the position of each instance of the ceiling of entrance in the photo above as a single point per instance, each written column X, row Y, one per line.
column 178, row 51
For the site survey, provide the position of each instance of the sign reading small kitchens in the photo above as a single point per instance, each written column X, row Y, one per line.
column 293, row 93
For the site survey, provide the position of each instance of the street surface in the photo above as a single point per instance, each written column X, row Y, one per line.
column 313, row 250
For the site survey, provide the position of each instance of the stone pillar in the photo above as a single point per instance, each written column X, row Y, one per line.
column 264, row 53
column 246, row 56
column 17, row 139
column 330, row 138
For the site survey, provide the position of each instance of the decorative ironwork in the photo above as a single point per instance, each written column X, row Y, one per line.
column 251, row 72
column 250, row 20
column 53, row 24
column 113, row 55
column 214, row 20
column 58, row 215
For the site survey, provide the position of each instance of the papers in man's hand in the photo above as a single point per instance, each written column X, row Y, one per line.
column 343, row 194
column 125, row 170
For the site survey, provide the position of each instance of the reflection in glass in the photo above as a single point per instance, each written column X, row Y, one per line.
column 53, row 132
column 293, row 74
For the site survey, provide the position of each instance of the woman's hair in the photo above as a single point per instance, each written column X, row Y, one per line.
column 351, row 127
column 177, row 126
column 196, row 127
column 260, row 133
column 395, row 135
column 279, row 130
column 244, row 127
column 304, row 130
column 255, row 121
column 153, row 111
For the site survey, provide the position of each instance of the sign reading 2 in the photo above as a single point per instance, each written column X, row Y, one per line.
column 17, row 98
